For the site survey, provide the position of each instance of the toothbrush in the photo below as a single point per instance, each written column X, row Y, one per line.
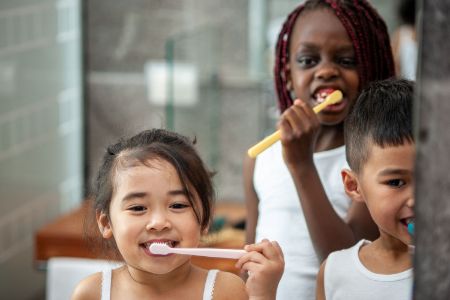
column 164, row 249
column 333, row 98
column 411, row 228
column 411, row 232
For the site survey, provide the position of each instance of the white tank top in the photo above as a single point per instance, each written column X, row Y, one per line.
column 347, row 278
column 208, row 291
column 281, row 217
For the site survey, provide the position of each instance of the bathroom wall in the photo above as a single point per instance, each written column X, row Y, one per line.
column 40, row 131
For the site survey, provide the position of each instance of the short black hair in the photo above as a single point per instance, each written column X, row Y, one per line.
column 382, row 115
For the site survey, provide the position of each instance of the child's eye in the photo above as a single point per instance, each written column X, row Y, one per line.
column 396, row 182
column 347, row 62
column 137, row 208
column 307, row 61
column 179, row 205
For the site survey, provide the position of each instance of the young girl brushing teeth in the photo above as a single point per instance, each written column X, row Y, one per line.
column 154, row 188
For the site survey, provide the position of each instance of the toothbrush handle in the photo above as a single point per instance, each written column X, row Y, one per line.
column 210, row 252
column 264, row 144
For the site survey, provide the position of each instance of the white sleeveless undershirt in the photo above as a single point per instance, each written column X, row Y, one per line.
column 208, row 291
column 347, row 278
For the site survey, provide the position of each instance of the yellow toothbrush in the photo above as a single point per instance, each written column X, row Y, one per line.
column 333, row 98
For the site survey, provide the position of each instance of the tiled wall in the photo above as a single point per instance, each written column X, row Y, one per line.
column 40, row 130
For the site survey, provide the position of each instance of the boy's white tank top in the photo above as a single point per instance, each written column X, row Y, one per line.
column 281, row 217
column 346, row 278
column 208, row 291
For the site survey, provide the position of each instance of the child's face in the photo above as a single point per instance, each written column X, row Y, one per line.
column 386, row 184
column 151, row 205
column 321, row 57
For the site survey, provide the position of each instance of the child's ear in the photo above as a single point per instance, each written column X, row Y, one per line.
column 351, row 185
column 205, row 230
column 104, row 225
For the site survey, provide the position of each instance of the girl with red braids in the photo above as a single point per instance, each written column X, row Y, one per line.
column 294, row 192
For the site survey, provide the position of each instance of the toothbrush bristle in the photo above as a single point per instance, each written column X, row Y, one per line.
column 335, row 97
column 411, row 228
column 159, row 248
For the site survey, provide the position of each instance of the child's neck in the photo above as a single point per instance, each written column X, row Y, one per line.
column 330, row 137
column 386, row 256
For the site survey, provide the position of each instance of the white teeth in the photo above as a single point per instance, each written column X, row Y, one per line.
column 320, row 97
column 409, row 220
column 170, row 244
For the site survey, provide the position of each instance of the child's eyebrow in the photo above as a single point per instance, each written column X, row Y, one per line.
column 345, row 49
column 309, row 46
column 386, row 172
column 178, row 192
column 134, row 195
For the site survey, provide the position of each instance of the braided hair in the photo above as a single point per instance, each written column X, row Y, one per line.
column 366, row 29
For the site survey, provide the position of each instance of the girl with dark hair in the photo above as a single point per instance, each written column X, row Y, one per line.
column 154, row 188
column 294, row 192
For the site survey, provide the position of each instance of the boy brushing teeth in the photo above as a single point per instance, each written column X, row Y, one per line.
column 381, row 154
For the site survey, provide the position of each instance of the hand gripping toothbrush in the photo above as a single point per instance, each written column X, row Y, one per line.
column 333, row 98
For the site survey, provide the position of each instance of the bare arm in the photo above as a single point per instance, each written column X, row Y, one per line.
column 327, row 230
column 251, row 200
column 299, row 128
column 229, row 286
column 320, row 286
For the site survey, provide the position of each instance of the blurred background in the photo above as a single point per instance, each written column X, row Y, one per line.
column 75, row 75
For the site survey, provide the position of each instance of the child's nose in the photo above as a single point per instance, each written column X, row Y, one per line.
column 410, row 202
column 327, row 70
column 158, row 221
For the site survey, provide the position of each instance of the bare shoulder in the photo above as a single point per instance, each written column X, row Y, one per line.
column 88, row 288
column 229, row 286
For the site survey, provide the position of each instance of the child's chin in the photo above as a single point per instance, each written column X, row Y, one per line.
column 408, row 241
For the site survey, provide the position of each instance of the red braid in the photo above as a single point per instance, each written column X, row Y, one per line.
column 366, row 29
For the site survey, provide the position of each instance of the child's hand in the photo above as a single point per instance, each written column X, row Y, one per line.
column 299, row 126
column 264, row 263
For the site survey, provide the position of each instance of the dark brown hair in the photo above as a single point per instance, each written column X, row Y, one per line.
column 365, row 28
